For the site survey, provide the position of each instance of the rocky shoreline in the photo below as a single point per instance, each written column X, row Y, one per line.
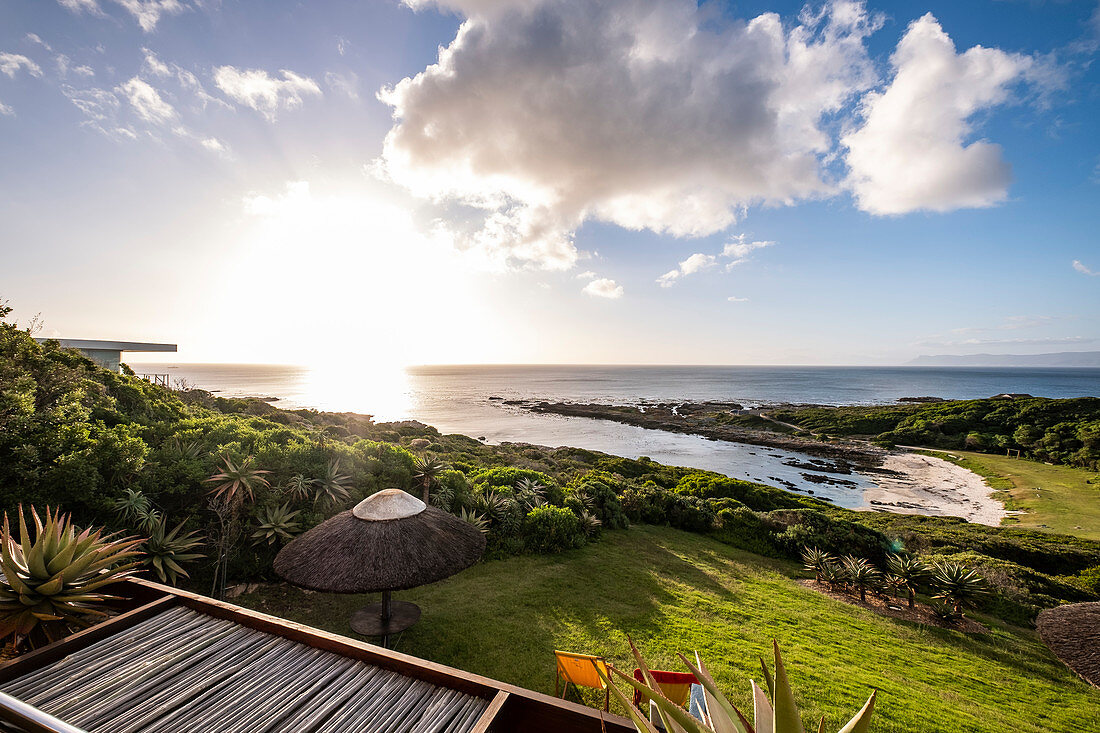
column 724, row 421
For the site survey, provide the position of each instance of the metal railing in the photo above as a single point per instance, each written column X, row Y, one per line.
column 29, row 719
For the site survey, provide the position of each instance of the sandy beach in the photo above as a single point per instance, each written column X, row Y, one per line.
column 933, row 486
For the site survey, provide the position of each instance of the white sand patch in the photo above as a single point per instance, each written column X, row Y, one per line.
column 933, row 486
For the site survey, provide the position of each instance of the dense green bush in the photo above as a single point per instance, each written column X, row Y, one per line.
column 1063, row 431
column 757, row 497
column 794, row 529
column 552, row 529
column 503, row 480
column 598, row 492
column 651, row 504
column 744, row 528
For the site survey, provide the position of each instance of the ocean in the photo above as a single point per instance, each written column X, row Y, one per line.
column 456, row 399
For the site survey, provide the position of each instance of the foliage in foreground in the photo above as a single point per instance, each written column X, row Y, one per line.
column 779, row 715
column 52, row 577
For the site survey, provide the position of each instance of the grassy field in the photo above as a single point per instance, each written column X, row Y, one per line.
column 673, row 591
column 1067, row 500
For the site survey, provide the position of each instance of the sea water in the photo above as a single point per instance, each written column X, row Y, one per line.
column 459, row 399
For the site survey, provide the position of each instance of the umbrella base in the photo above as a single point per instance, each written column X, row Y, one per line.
column 368, row 619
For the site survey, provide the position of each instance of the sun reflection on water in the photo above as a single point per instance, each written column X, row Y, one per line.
column 381, row 390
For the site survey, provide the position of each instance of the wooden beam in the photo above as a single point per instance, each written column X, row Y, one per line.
column 60, row 649
column 485, row 722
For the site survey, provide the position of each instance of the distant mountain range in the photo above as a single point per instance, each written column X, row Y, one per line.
column 1061, row 359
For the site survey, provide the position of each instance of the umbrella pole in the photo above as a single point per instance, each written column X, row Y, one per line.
column 385, row 617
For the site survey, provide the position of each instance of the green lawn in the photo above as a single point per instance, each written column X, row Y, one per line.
column 673, row 591
column 1068, row 501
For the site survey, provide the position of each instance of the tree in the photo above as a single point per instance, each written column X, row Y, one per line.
column 956, row 585
column 426, row 471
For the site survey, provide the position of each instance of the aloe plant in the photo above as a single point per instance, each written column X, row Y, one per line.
column 956, row 585
column 52, row 578
column 333, row 488
column 427, row 471
column 816, row 561
column 276, row 523
column 237, row 481
column 167, row 550
column 477, row 520
column 779, row 715
column 908, row 573
column 298, row 487
column 861, row 574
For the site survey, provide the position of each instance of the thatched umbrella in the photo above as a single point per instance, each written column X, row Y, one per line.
column 390, row 541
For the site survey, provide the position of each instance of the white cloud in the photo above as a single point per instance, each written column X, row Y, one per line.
column 149, row 12
column 147, row 102
column 586, row 275
column 1082, row 268
column 37, row 39
column 146, row 12
column 911, row 152
column 98, row 105
column 11, row 63
column 738, row 250
column 735, row 299
column 213, row 144
column 84, row 70
column 79, row 6
column 691, row 265
column 6, row 111
column 264, row 93
column 658, row 115
column 344, row 83
column 604, row 288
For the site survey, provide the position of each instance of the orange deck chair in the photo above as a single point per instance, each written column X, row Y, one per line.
column 580, row 670
column 676, row 686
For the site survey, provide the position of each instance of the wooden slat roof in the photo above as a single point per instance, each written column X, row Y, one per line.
column 184, row 671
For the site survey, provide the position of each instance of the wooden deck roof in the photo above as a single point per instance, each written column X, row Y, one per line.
column 185, row 663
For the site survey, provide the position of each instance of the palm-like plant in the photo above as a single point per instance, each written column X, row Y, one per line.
column 334, row 488
column 861, row 574
column 275, row 523
column 237, row 482
column 51, row 581
column 779, row 715
column 816, row 560
column 131, row 505
column 956, row 585
column 167, row 550
column 590, row 523
column 426, row 471
column 908, row 572
column 834, row 575
column 530, row 494
column 477, row 520
column 299, row 488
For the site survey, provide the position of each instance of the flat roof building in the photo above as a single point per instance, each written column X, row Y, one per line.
column 108, row 354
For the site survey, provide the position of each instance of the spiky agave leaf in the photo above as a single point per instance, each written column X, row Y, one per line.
column 51, row 577
column 276, row 523
column 237, row 481
column 168, row 550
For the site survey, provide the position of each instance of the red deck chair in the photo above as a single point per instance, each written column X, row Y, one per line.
column 675, row 685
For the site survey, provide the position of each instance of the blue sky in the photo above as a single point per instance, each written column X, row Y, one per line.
column 570, row 182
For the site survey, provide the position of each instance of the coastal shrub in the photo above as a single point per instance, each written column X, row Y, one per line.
column 597, row 491
column 503, row 480
column 548, row 529
column 794, row 529
column 757, row 497
column 742, row 527
column 651, row 504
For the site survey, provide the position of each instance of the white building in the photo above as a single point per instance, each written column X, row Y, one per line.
column 108, row 354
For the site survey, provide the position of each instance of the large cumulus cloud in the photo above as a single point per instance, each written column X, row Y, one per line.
column 654, row 114
column 673, row 117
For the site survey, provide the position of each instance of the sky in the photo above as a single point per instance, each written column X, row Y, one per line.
column 553, row 181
